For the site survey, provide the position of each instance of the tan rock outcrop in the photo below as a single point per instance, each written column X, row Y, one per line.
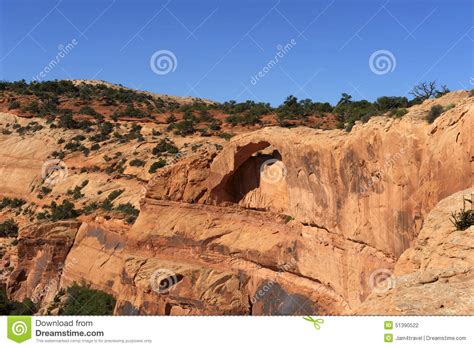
column 436, row 275
column 42, row 252
column 281, row 221
column 373, row 186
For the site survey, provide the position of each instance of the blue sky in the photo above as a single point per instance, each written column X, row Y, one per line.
column 220, row 45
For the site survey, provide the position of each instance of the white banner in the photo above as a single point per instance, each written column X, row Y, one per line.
column 237, row 332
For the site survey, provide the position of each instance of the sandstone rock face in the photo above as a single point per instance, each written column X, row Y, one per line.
column 281, row 221
column 436, row 276
column 373, row 186
column 184, row 180
column 42, row 252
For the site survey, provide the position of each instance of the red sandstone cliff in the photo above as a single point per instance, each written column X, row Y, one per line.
column 280, row 221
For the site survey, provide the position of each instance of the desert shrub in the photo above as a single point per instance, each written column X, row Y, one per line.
column 349, row 111
column 72, row 146
column 32, row 107
column 88, row 110
column 390, row 103
column 45, row 190
column 66, row 210
column 165, row 146
column 464, row 218
column 471, row 93
column 79, row 137
column 118, row 167
column 79, row 301
column 399, row 112
column 129, row 211
column 107, row 204
column 434, row 113
column 89, row 208
column 114, row 194
column 136, row 162
column 66, row 120
column 43, row 215
column 8, row 228
column 205, row 116
column 449, row 107
column 131, row 111
column 171, row 119
column 427, row 90
column 349, row 126
column 14, row 104
column 442, row 91
column 214, row 126
column 7, row 307
column 157, row 165
column 12, row 203
column 106, row 128
column 226, row 136
column 184, row 128
column 287, row 218
column 76, row 192
column 58, row 154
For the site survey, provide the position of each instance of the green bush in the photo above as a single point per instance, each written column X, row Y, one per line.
column 165, row 146
column 9, row 228
column 434, row 113
column 66, row 210
column 390, row 103
column 129, row 211
column 171, row 119
column 82, row 300
column 157, row 165
column 463, row 219
column 399, row 112
column 95, row 147
column 88, row 110
column 226, row 136
column 449, row 106
column 184, row 128
column 14, row 104
column 114, row 194
column 7, row 307
column 11, row 203
column 136, row 162
column 90, row 208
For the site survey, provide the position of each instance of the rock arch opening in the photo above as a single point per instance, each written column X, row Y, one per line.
column 258, row 180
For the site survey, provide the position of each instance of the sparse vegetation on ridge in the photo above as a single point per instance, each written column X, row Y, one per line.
column 464, row 218
column 98, row 102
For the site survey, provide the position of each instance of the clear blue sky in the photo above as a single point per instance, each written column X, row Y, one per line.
column 220, row 45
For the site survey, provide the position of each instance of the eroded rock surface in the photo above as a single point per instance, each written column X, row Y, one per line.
column 436, row 275
column 281, row 221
